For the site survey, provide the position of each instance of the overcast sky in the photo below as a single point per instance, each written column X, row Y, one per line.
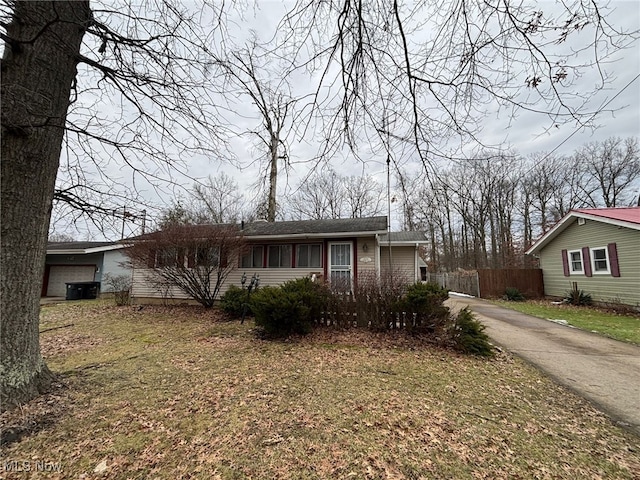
column 616, row 113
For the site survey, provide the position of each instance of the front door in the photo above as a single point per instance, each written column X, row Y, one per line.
column 341, row 265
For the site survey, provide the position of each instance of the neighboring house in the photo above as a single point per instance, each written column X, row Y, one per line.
column 336, row 249
column 599, row 249
column 69, row 262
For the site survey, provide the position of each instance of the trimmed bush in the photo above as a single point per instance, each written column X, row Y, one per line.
column 233, row 302
column 513, row 295
column 425, row 303
column 313, row 294
column 469, row 336
column 290, row 309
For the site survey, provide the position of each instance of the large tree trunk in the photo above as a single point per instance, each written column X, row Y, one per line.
column 38, row 69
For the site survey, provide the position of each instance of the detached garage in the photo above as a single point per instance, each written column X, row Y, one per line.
column 76, row 262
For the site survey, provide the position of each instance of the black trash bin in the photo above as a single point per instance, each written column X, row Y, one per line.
column 74, row 291
column 82, row 290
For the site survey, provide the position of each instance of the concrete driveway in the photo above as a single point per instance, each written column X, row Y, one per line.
column 604, row 371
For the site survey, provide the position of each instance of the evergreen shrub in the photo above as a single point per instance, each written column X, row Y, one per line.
column 234, row 300
column 468, row 335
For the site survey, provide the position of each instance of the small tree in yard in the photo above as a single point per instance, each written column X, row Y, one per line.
column 196, row 259
column 120, row 286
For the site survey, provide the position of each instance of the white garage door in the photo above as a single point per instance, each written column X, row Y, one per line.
column 61, row 274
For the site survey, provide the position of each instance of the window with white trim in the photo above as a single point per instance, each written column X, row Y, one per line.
column 575, row 261
column 253, row 257
column 309, row 255
column 600, row 260
column 279, row 256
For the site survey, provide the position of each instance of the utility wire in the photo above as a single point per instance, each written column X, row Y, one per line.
column 599, row 110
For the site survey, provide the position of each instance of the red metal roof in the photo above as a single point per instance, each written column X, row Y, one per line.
column 625, row 214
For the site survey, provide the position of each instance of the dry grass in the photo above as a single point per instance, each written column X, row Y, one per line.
column 173, row 393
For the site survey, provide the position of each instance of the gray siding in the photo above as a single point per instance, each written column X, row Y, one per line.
column 602, row 287
column 112, row 265
column 403, row 258
column 366, row 261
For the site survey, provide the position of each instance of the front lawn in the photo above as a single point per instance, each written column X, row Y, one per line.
column 614, row 325
column 175, row 393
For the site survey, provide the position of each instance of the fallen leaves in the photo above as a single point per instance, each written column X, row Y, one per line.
column 178, row 393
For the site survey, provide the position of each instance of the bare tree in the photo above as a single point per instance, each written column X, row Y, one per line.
column 438, row 65
column 613, row 168
column 247, row 70
column 318, row 196
column 141, row 100
column 363, row 196
column 179, row 214
column 61, row 237
column 196, row 259
column 151, row 62
column 329, row 195
column 218, row 199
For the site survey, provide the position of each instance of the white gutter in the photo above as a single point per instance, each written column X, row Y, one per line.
column 84, row 251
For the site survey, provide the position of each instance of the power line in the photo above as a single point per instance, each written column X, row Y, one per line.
column 599, row 110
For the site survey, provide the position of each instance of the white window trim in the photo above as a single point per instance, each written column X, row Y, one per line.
column 298, row 245
column 571, row 270
column 593, row 261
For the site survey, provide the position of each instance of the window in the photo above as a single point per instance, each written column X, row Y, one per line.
column 279, row 256
column 575, row 261
column 309, row 256
column 600, row 260
column 208, row 256
column 168, row 257
column 253, row 257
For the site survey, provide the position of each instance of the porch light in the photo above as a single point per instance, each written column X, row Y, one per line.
column 365, row 247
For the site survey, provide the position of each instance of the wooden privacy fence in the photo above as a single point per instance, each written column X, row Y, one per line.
column 488, row 283
column 528, row 281
column 462, row 282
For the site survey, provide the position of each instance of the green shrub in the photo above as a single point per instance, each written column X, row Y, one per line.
column 290, row 309
column 424, row 303
column 578, row 297
column 313, row 294
column 234, row 300
column 513, row 295
column 423, row 295
column 469, row 336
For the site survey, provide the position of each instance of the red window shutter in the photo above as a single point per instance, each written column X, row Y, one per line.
column 614, row 265
column 565, row 263
column 586, row 260
column 191, row 259
column 151, row 259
